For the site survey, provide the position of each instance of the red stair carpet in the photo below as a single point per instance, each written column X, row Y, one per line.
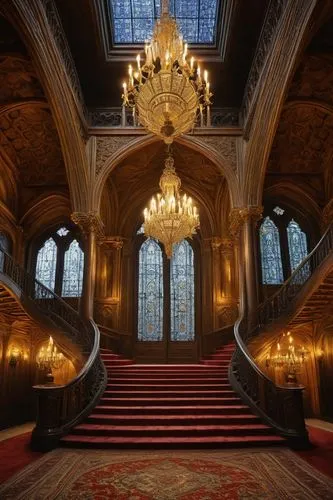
column 170, row 406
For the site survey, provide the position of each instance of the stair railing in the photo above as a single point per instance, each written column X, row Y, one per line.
column 279, row 406
column 59, row 407
column 281, row 302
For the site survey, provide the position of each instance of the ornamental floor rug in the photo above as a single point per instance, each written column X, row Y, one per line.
column 168, row 475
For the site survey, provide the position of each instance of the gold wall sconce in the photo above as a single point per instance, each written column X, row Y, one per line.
column 16, row 355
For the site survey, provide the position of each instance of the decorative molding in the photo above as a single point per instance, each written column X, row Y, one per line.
column 224, row 146
column 89, row 222
column 227, row 245
column 67, row 58
column 113, row 117
column 238, row 216
column 107, row 146
column 215, row 242
column 272, row 19
column 112, row 242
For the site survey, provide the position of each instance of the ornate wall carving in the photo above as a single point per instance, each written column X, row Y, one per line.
column 30, row 139
column 18, row 79
column 303, row 140
column 89, row 222
column 224, row 146
column 106, row 147
column 273, row 16
column 314, row 79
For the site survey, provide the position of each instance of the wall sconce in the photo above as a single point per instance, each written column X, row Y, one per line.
column 15, row 356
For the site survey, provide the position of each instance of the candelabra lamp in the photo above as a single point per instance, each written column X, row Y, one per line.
column 49, row 358
column 288, row 357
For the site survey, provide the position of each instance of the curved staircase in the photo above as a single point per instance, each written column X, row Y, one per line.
column 169, row 406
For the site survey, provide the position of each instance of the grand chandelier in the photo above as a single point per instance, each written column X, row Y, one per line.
column 170, row 217
column 288, row 356
column 167, row 89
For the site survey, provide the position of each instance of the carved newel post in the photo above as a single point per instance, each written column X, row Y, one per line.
column 92, row 227
column 243, row 224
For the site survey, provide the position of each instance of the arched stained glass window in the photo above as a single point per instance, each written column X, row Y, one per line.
column 297, row 244
column 150, row 297
column 182, row 293
column 271, row 263
column 73, row 271
column 47, row 263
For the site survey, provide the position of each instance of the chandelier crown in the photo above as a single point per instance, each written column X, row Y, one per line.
column 167, row 90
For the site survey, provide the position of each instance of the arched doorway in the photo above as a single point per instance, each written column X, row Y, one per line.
column 166, row 303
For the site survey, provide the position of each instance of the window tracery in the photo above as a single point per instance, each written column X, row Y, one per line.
column 60, row 263
column 271, row 261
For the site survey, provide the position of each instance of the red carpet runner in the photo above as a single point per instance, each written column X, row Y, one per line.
column 168, row 406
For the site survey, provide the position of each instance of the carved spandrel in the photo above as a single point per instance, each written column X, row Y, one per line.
column 224, row 146
column 107, row 147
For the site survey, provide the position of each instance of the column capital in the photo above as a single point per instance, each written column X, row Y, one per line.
column 227, row 245
column 112, row 242
column 89, row 222
column 216, row 242
column 239, row 215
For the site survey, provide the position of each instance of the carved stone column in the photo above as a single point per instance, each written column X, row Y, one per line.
column 243, row 223
column 92, row 226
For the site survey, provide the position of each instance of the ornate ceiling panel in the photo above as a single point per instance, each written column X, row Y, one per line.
column 29, row 137
column 18, row 79
column 314, row 79
column 303, row 141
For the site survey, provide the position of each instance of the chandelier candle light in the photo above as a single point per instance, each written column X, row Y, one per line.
column 170, row 217
column 167, row 89
column 288, row 357
column 49, row 358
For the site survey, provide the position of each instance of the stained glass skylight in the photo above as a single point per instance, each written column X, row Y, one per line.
column 133, row 20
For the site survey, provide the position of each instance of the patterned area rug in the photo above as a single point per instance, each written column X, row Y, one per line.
column 233, row 474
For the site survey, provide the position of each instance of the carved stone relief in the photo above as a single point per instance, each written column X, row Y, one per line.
column 314, row 79
column 18, row 79
column 224, row 146
column 30, row 139
column 107, row 147
column 303, row 140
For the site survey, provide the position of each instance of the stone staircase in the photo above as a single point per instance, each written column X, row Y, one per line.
column 169, row 406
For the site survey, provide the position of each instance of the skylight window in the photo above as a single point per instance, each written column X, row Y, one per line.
column 133, row 20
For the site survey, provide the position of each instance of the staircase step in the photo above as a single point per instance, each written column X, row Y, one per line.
column 171, row 442
column 171, row 430
column 132, row 409
column 167, row 419
column 167, row 386
column 164, row 401
column 174, row 394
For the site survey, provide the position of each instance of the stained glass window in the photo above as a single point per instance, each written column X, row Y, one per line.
column 73, row 271
column 182, row 293
column 298, row 248
column 271, row 263
column 133, row 20
column 63, row 231
column 150, row 296
column 47, row 263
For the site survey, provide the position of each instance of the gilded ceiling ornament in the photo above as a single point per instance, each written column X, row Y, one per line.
column 89, row 222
